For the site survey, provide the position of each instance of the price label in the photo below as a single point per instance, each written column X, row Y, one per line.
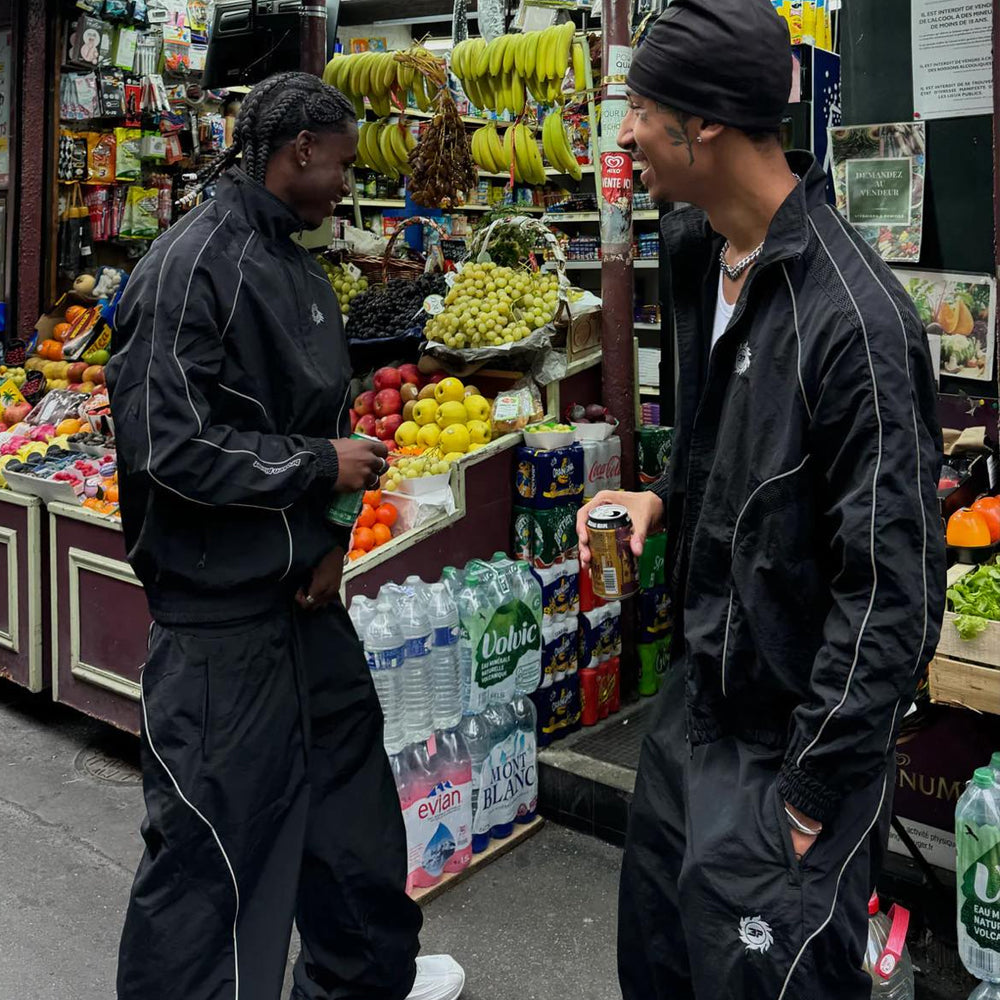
column 434, row 305
column 450, row 278
column 353, row 272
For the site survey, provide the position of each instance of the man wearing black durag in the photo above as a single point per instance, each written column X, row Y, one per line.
column 805, row 548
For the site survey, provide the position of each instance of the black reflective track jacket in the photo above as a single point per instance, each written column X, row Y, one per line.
column 800, row 499
column 233, row 376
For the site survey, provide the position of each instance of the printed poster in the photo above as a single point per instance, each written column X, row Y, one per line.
column 878, row 181
column 6, row 71
column 952, row 58
column 960, row 311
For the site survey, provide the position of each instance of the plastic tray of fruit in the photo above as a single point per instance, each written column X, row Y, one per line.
column 58, row 476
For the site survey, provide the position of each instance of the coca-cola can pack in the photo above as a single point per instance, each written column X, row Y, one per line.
column 602, row 466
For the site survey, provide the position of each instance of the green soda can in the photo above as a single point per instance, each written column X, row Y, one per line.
column 654, row 445
column 346, row 506
column 649, row 679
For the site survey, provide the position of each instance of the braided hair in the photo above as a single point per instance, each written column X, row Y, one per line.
column 274, row 112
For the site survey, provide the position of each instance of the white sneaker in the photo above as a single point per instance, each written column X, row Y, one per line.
column 439, row 977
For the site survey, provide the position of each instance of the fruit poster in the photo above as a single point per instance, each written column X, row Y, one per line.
column 960, row 310
column 952, row 58
column 878, row 180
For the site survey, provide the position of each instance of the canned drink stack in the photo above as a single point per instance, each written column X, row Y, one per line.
column 612, row 565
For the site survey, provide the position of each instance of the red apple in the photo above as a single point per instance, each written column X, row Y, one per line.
column 385, row 429
column 388, row 401
column 366, row 425
column 387, row 378
column 437, row 377
column 16, row 413
column 365, row 403
column 354, row 419
column 75, row 372
column 411, row 374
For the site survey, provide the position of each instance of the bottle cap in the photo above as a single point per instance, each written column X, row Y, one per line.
column 983, row 778
column 873, row 905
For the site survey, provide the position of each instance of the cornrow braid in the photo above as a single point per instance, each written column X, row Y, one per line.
column 274, row 112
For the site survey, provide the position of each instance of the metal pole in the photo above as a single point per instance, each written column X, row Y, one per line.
column 617, row 275
column 312, row 36
column 996, row 136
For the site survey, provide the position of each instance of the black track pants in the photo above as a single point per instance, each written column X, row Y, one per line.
column 713, row 904
column 269, row 798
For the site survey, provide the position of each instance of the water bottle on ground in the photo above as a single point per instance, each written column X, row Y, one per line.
column 455, row 769
column 477, row 733
column 977, row 876
column 442, row 614
column 469, row 603
column 526, row 721
column 361, row 612
column 504, row 725
column 887, row 960
column 418, row 723
column 397, row 765
column 384, row 647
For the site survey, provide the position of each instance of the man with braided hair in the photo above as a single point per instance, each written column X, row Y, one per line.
column 268, row 793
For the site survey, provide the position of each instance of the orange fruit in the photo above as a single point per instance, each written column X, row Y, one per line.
column 356, row 554
column 364, row 539
column 387, row 514
column 74, row 313
column 372, row 498
column 111, row 494
column 61, row 331
column 366, row 518
column 68, row 426
column 382, row 533
column 968, row 529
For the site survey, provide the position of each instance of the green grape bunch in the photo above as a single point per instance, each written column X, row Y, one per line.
column 346, row 287
column 490, row 305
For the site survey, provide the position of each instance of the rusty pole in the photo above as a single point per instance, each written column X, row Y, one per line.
column 312, row 36
column 615, row 181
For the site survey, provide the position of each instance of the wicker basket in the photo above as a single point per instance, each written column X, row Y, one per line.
column 380, row 268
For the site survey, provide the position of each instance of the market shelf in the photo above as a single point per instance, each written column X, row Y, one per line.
column 572, row 217
column 649, row 390
column 593, row 265
column 646, row 215
column 647, row 326
column 375, row 203
column 496, row 850
column 529, row 209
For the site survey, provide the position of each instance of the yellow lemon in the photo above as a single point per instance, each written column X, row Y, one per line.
column 407, row 434
column 428, row 435
column 477, row 408
column 475, row 446
column 455, row 437
column 449, row 390
column 451, row 412
column 425, row 412
column 479, row 431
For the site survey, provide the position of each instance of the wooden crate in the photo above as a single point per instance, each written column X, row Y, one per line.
column 969, row 685
column 984, row 648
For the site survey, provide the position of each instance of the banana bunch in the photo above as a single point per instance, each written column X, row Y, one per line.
column 558, row 150
column 521, row 152
column 500, row 74
column 488, row 151
column 377, row 75
column 385, row 146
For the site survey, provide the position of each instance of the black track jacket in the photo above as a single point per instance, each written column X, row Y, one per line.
column 233, row 376
column 800, row 499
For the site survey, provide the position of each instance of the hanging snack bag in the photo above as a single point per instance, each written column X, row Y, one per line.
column 128, row 165
column 101, row 157
column 141, row 219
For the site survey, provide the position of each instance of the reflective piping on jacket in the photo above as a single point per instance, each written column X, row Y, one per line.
column 836, row 892
column 239, row 286
column 871, row 534
column 212, row 830
column 149, row 366
column 916, row 439
column 249, row 399
column 732, row 555
column 798, row 340
column 291, row 545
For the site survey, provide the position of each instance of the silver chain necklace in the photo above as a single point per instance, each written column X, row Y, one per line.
column 733, row 271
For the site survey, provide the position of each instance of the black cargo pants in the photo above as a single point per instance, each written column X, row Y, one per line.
column 713, row 904
column 269, row 798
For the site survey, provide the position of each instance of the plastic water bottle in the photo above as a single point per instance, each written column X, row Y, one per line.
column 452, row 579
column 476, row 731
column 977, row 876
column 995, row 767
column 455, row 767
column 442, row 614
column 470, row 609
column 418, row 722
column 384, row 647
column 361, row 612
column 503, row 724
column 887, row 960
column 528, row 590
column 526, row 722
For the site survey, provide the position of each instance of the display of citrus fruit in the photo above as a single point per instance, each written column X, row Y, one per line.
column 367, row 517
column 387, row 514
column 356, row 554
column 372, row 498
column 381, row 533
column 364, row 539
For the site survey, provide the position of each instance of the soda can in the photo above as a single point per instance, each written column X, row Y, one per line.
column 602, row 466
column 615, row 686
column 588, row 599
column 612, row 564
column 604, row 683
column 346, row 507
column 589, row 687
column 649, row 674
column 654, row 445
column 548, row 479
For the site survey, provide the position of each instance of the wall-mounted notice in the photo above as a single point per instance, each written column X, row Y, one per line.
column 952, row 58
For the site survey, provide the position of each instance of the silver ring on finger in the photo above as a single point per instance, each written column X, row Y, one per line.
column 310, row 599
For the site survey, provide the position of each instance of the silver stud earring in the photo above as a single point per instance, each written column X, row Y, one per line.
column 302, row 163
column 699, row 140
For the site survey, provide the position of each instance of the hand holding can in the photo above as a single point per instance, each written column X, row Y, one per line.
column 645, row 510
